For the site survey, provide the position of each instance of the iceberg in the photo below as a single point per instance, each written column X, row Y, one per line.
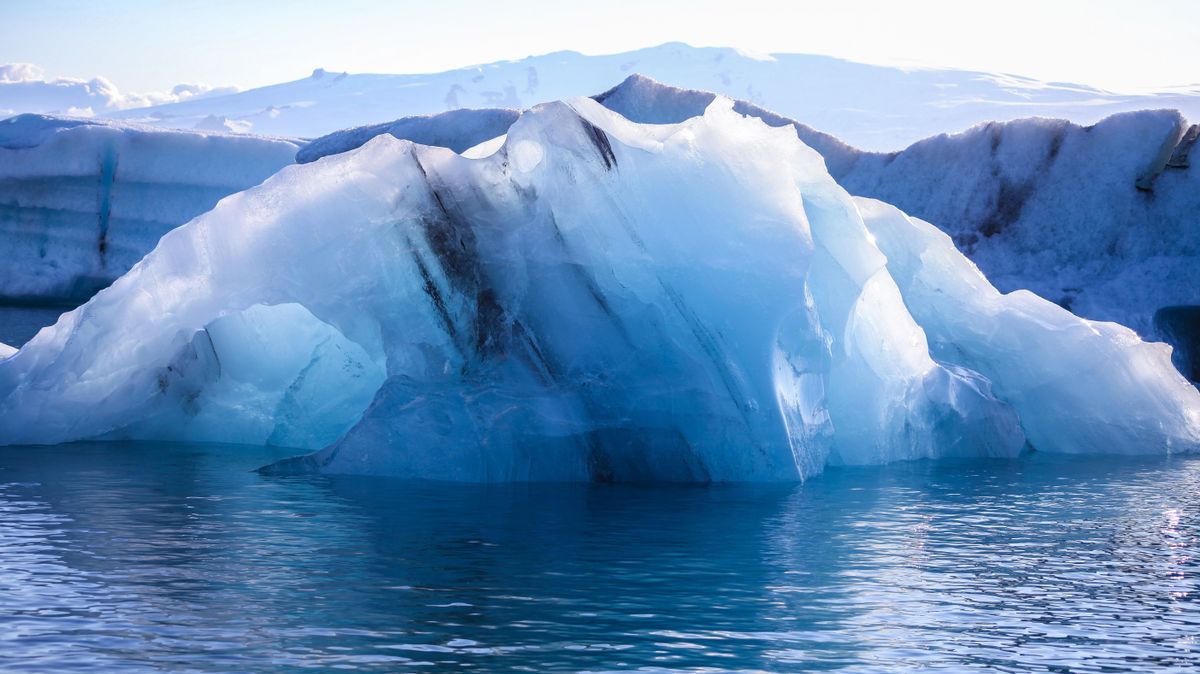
column 591, row 299
column 82, row 200
column 1098, row 219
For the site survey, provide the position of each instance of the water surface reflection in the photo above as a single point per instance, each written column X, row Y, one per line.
column 152, row 557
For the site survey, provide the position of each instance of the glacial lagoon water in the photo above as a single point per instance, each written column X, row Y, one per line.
column 155, row 557
column 19, row 323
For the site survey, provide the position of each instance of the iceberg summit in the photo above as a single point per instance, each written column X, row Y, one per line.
column 585, row 298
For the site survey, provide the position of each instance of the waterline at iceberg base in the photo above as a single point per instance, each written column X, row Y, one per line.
column 593, row 300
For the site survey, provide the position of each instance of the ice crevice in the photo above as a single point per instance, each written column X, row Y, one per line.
column 591, row 299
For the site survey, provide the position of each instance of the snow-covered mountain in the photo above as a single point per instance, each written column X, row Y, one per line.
column 871, row 107
column 589, row 299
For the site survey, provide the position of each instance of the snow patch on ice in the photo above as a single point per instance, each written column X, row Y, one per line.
column 486, row 149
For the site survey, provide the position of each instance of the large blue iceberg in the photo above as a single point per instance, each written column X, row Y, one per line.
column 585, row 298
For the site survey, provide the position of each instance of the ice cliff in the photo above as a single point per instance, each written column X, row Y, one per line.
column 596, row 299
column 81, row 200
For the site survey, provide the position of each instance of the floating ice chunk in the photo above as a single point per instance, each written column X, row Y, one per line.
column 270, row 374
column 596, row 300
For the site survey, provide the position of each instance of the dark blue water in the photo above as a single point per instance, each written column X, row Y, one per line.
column 18, row 324
column 175, row 558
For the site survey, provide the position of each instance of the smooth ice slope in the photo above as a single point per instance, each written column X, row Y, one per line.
column 596, row 300
column 869, row 106
column 81, row 201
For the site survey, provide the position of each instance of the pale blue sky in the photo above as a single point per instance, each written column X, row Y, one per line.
column 145, row 45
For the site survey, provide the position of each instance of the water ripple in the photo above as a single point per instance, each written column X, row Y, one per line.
column 170, row 557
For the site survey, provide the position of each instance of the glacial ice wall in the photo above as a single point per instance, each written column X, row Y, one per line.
column 593, row 300
column 81, row 201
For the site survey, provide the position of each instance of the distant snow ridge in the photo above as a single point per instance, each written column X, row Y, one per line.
column 869, row 106
column 594, row 300
column 81, row 200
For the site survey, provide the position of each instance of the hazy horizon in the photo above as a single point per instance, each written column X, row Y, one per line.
column 226, row 43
